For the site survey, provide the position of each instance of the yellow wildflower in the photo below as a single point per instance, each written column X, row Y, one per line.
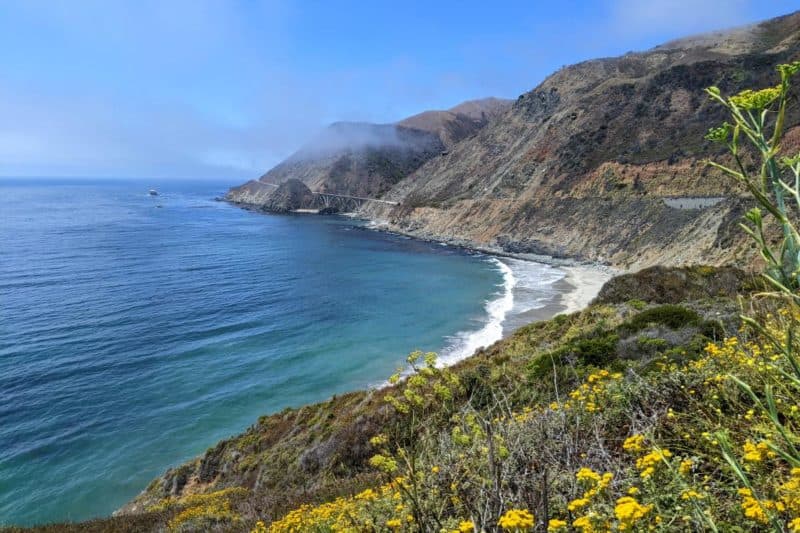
column 367, row 494
column 466, row 526
column 628, row 511
column 755, row 453
column 379, row 440
column 556, row 525
column 691, row 494
column 516, row 519
column 584, row 523
column 753, row 509
column 633, row 444
column 648, row 463
column 587, row 475
column 578, row 503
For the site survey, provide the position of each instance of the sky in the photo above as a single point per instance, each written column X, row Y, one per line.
column 213, row 89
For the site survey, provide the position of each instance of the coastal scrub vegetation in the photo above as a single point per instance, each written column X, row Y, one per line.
column 651, row 410
column 686, row 438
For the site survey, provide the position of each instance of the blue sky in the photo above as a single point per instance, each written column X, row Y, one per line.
column 225, row 89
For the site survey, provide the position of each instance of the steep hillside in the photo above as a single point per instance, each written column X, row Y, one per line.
column 362, row 159
column 580, row 165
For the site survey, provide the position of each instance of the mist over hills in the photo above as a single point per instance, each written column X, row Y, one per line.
column 363, row 159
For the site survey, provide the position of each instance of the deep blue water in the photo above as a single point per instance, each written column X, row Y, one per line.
column 134, row 337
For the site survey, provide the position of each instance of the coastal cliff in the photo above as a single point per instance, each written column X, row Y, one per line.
column 587, row 164
column 580, row 166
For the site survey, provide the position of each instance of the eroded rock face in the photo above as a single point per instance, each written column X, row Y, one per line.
column 288, row 196
column 579, row 165
column 253, row 193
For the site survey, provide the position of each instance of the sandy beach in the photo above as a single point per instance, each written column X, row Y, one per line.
column 572, row 293
column 585, row 282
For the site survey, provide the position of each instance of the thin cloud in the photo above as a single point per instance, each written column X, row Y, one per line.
column 224, row 88
column 680, row 17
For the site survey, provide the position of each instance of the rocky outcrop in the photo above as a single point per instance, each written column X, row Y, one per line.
column 289, row 196
column 665, row 285
column 252, row 193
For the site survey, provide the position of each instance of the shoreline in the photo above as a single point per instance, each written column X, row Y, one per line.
column 586, row 281
column 581, row 283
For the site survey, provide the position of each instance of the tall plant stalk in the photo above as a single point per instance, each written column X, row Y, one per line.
column 759, row 119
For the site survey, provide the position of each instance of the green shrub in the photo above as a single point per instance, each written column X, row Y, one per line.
column 671, row 316
column 637, row 304
column 595, row 351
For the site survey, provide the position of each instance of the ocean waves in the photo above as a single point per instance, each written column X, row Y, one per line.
column 526, row 286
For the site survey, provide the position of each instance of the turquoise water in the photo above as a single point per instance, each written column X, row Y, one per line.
column 133, row 337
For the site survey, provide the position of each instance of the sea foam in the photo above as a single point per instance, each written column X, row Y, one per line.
column 463, row 344
column 526, row 286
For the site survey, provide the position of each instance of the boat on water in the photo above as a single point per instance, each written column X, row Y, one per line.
column 152, row 192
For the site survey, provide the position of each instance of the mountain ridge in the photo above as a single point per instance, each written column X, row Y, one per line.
column 580, row 165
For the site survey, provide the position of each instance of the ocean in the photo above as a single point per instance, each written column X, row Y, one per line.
column 136, row 331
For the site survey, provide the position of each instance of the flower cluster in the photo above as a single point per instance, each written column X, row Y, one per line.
column 647, row 463
column 516, row 520
column 590, row 394
column 756, row 100
column 755, row 453
column 380, row 508
column 199, row 511
column 628, row 512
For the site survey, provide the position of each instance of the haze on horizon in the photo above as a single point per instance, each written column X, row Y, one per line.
column 226, row 89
